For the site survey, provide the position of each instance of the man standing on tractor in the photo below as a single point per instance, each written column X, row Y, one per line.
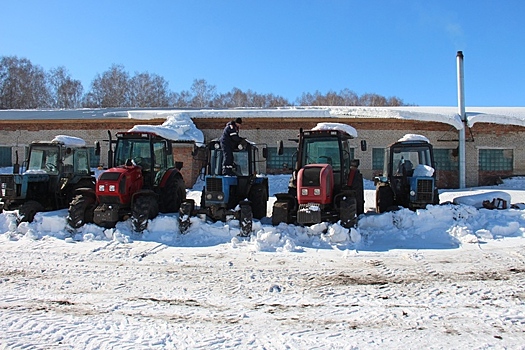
column 230, row 140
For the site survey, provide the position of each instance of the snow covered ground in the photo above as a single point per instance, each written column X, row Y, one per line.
column 451, row 276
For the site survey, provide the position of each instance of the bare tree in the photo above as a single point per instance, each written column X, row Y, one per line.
column 65, row 91
column 349, row 97
column 180, row 99
column 22, row 84
column 148, row 90
column 202, row 93
column 111, row 89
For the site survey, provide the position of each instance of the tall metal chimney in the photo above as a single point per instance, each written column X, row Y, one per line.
column 463, row 116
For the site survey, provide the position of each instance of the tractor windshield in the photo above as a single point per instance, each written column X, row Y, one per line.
column 240, row 161
column 405, row 159
column 43, row 159
column 324, row 150
column 137, row 150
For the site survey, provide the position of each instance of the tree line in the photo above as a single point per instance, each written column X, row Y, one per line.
column 24, row 85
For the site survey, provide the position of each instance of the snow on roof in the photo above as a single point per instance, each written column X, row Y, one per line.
column 413, row 137
column 447, row 115
column 69, row 141
column 177, row 127
column 508, row 116
column 337, row 126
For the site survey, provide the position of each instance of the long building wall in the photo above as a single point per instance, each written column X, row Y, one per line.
column 378, row 134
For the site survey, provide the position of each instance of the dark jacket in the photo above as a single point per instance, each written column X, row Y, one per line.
column 230, row 138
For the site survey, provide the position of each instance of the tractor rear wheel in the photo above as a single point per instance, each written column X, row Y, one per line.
column 172, row 195
column 258, row 196
column 28, row 210
column 81, row 210
column 144, row 208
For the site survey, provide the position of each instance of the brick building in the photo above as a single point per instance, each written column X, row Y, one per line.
column 493, row 141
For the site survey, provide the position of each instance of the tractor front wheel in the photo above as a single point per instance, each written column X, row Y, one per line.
column 245, row 220
column 384, row 199
column 258, row 196
column 144, row 209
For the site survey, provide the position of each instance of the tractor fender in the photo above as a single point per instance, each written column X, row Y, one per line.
column 85, row 191
column 167, row 175
column 288, row 197
column 142, row 193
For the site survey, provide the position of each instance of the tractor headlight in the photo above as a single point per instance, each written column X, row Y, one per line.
column 209, row 196
column 304, row 191
column 101, row 188
column 112, row 188
column 317, row 191
column 412, row 193
column 220, row 197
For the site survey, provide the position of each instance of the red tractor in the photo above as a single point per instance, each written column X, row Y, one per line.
column 146, row 182
column 326, row 185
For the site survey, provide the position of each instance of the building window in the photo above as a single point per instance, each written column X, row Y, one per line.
column 284, row 161
column 378, row 158
column 94, row 161
column 445, row 160
column 5, row 156
column 496, row 159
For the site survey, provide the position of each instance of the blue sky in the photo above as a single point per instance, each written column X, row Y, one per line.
column 393, row 48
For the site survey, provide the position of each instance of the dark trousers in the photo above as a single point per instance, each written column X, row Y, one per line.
column 227, row 160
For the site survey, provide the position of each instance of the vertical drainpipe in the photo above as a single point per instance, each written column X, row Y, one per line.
column 463, row 116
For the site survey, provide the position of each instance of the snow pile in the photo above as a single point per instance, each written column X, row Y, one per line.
column 177, row 127
column 337, row 126
column 439, row 226
column 476, row 200
column 69, row 141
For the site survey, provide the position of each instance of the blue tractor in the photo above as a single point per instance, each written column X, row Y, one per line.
column 243, row 196
column 408, row 179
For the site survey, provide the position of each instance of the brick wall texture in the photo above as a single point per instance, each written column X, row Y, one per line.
column 378, row 133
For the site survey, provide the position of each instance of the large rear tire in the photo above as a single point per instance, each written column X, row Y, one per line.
column 172, row 195
column 81, row 210
column 144, row 209
column 28, row 210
